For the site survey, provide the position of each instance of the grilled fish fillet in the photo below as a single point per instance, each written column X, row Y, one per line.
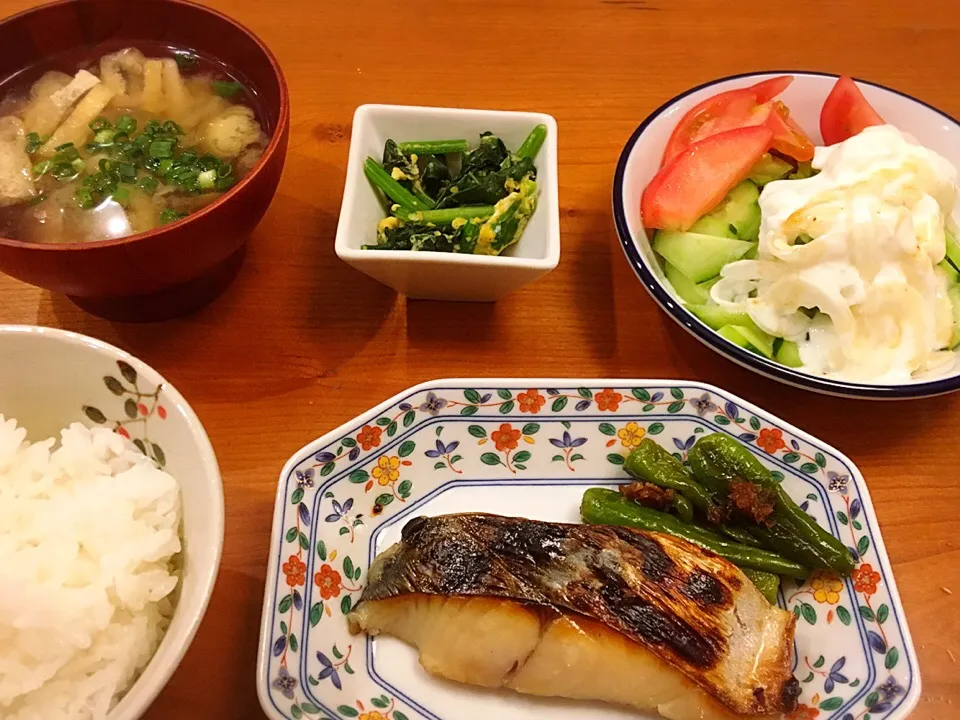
column 582, row 611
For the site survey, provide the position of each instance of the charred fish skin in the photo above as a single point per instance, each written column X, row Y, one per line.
column 677, row 601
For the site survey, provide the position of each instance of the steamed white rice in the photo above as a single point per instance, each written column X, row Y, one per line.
column 88, row 532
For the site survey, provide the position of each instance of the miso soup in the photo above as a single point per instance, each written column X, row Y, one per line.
column 131, row 140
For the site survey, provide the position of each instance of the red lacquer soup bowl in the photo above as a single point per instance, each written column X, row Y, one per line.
column 177, row 267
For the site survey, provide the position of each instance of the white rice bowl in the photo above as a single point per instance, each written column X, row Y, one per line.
column 89, row 534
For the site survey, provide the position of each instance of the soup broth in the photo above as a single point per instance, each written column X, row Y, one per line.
column 133, row 139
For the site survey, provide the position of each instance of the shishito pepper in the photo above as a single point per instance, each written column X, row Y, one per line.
column 607, row 507
column 720, row 460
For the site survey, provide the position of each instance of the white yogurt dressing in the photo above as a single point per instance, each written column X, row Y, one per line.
column 875, row 215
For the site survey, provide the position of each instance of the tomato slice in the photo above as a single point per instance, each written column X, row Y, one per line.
column 788, row 137
column 846, row 112
column 696, row 180
column 744, row 107
column 726, row 111
column 767, row 90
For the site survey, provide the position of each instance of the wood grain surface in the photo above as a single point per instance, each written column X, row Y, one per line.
column 301, row 343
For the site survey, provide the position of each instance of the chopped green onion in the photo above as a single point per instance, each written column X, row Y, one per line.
column 185, row 59
column 127, row 171
column 162, row 148
column 126, row 124
column 38, row 199
column 66, row 153
column 181, row 175
column 103, row 183
column 101, row 123
column 34, row 141
column 148, row 184
column 227, row 88
column 126, row 157
column 122, row 196
column 104, row 137
column 64, row 172
column 207, row 179
column 84, row 198
column 169, row 215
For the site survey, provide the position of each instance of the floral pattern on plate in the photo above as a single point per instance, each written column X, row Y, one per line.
column 342, row 496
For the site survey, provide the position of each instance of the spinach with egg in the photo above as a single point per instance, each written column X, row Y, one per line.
column 444, row 196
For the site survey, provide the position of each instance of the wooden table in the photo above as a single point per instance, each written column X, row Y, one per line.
column 301, row 343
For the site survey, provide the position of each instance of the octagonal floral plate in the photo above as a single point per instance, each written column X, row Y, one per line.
column 530, row 448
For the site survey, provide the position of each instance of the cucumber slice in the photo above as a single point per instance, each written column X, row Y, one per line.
column 731, row 333
column 706, row 285
column 699, row 257
column 716, row 317
column 748, row 337
column 770, row 168
column 953, row 249
column 713, row 225
column 954, row 294
column 804, row 170
column 742, row 208
column 738, row 215
column 953, row 277
column 688, row 290
column 789, row 354
column 758, row 339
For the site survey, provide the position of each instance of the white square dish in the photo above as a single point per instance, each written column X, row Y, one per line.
column 530, row 448
column 446, row 276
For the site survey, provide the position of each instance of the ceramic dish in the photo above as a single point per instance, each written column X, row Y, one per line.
column 435, row 275
column 51, row 378
column 640, row 160
column 530, row 448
